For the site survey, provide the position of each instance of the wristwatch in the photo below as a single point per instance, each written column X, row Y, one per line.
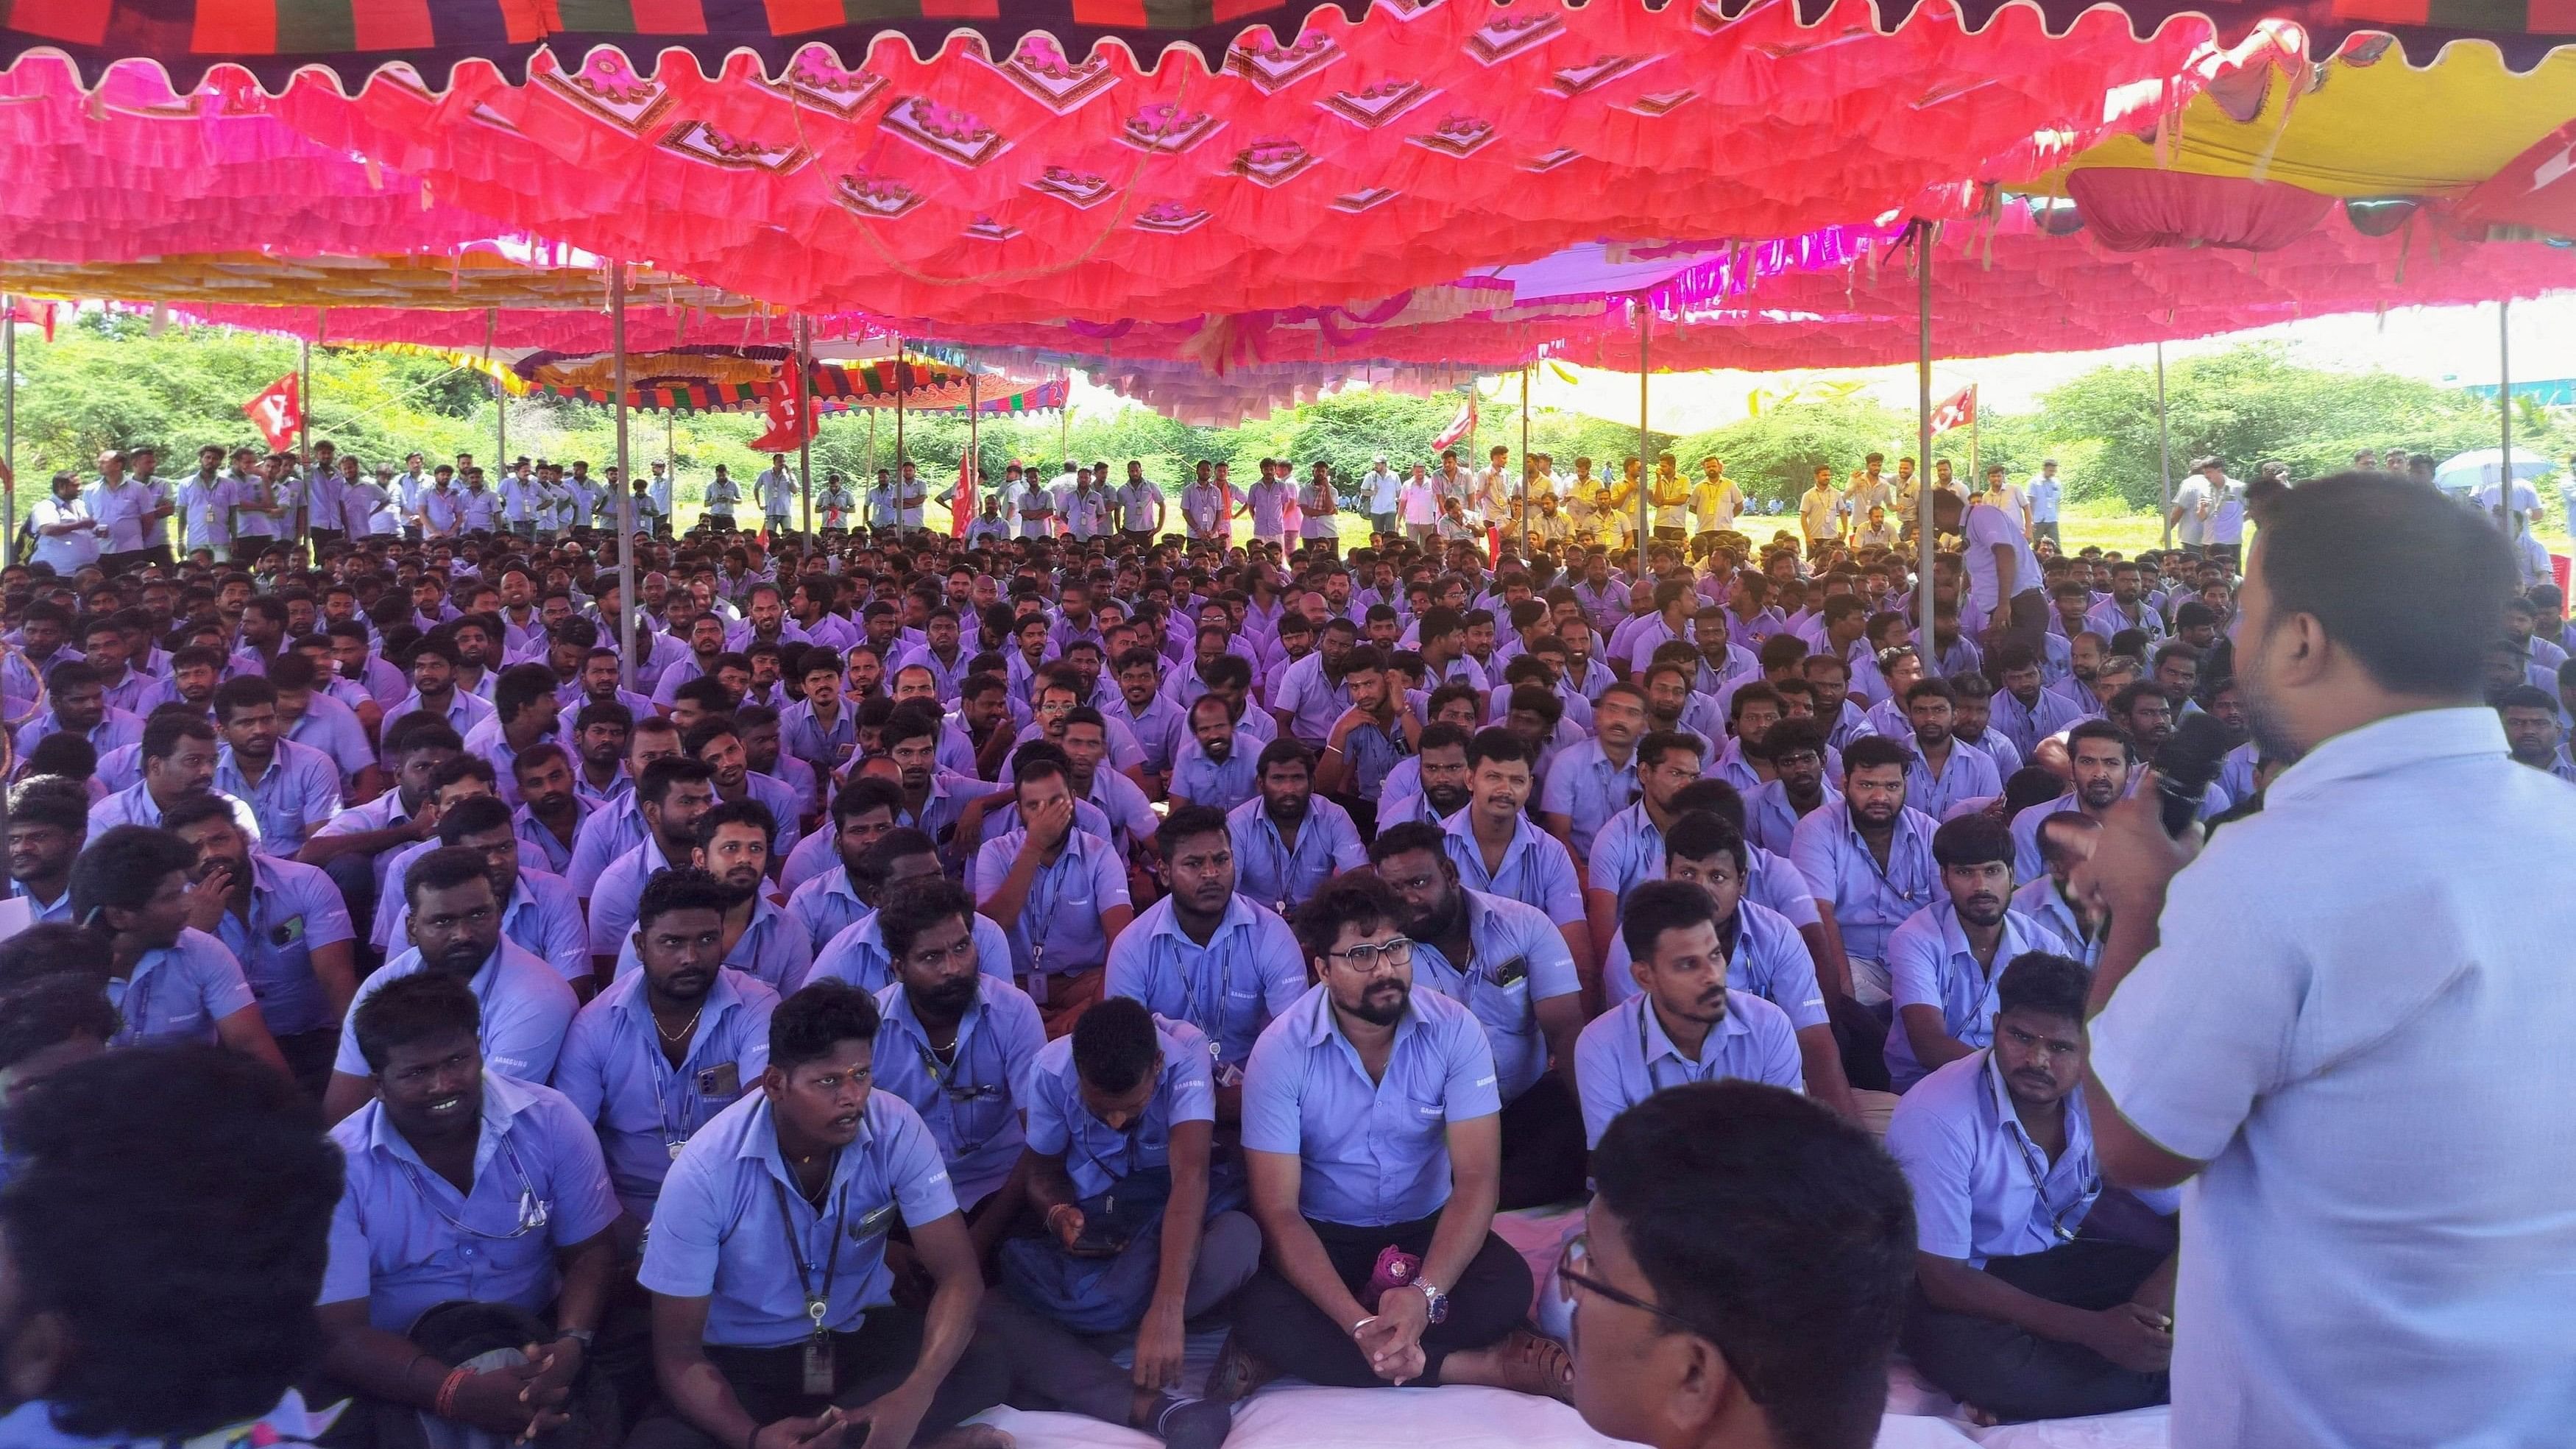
column 1433, row 1299
column 582, row 1336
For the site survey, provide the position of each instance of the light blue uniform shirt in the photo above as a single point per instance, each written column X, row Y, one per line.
column 1585, row 787
column 1868, row 902
column 178, row 992
column 972, row 1106
column 293, row 909
column 1624, row 1056
column 1160, row 728
column 824, row 906
column 1982, row 1188
column 539, row 847
column 1770, row 960
column 644, row 1109
column 1969, row 775
column 1059, row 925
column 1771, row 822
column 541, row 916
column 771, row 950
column 526, row 1010
column 1096, row 1155
column 610, row 831
column 405, row 1240
column 1202, row 781
column 1313, row 702
column 1929, row 964
column 802, row 735
column 1372, row 1153
column 1536, row 870
column 1249, row 972
column 332, row 727
column 116, row 730
column 620, row 888
column 1519, row 959
column 722, row 1227
column 858, row 956
column 1270, row 871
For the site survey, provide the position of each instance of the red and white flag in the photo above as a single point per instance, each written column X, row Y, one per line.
column 39, row 313
column 1461, row 426
column 278, row 413
column 1958, row 411
column 961, row 507
column 789, row 421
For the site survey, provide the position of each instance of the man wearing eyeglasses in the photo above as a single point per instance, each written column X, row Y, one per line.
column 476, row 1212
column 957, row 1044
column 1722, row 1301
column 1371, row 1127
column 2027, row 1307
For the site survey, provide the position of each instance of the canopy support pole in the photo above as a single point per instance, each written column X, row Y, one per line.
column 1526, row 549
column 808, row 423
column 304, row 441
column 871, row 479
column 898, row 412
column 2164, row 451
column 1645, row 462
column 629, row 588
column 1923, row 484
column 2504, row 411
column 971, row 476
column 9, row 430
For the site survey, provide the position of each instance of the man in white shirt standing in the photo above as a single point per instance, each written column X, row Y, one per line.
column 2045, row 494
column 2188, row 518
column 1421, row 501
column 1381, row 486
column 2224, row 512
column 128, row 512
column 775, row 491
column 2372, row 1231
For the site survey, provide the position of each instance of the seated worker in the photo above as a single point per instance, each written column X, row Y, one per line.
column 1138, row 1232
column 824, row 903
column 958, row 1045
column 617, row 826
column 1740, row 1276
column 1287, row 839
column 476, row 1211
column 48, row 821
column 538, row 912
column 195, row 1336
column 1629, row 846
column 669, row 798
column 177, row 757
column 858, row 954
column 731, row 843
column 356, row 846
column 664, row 1048
column 1370, row 1124
column 1500, row 851
column 773, row 1313
column 1945, row 961
column 286, row 927
column 1206, row 953
column 1060, row 892
column 167, row 980
column 2066, row 840
column 1766, row 957
column 2023, row 1307
column 1685, row 1024
column 1869, row 859
column 1507, row 964
column 455, row 930
column 290, row 788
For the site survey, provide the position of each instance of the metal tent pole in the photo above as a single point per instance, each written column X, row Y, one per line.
column 898, row 411
column 1923, row 485
column 805, row 419
column 9, row 429
column 871, row 478
column 304, row 439
column 1526, row 549
column 972, row 474
column 2504, row 411
column 2164, row 451
column 629, row 587
column 1645, row 465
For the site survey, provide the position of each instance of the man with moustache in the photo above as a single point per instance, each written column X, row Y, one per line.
column 1440, row 786
column 538, row 912
column 1209, row 770
column 287, row 926
column 2100, row 757
column 1287, row 842
column 670, row 797
column 1947, row 961
column 1206, row 954
column 731, row 843
column 551, row 806
column 1870, row 862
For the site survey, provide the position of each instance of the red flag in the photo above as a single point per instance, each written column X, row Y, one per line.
column 278, row 413
column 1957, row 411
column 961, row 507
column 789, row 422
column 39, row 313
column 1461, row 426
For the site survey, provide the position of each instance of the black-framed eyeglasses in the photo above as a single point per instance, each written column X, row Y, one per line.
column 1575, row 1259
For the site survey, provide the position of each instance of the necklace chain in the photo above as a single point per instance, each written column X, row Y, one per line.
column 684, row 1033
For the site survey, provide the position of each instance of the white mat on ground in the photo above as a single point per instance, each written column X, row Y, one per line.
column 1470, row 1418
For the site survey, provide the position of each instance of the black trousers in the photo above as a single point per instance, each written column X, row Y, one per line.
column 2028, row 623
column 1543, row 1149
column 2014, row 1374
column 770, row 1382
column 1285, row 1328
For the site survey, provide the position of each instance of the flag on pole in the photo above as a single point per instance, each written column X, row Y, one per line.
column 789, row 422
column 39, row 313
column 961, row 508
column 1461, row 426
column 1958, row 411
column 278, row 412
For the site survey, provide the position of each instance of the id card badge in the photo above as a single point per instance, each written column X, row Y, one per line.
column 818, row 1367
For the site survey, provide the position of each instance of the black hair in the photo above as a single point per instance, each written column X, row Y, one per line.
column 472, row 817
column 2101, row 729
column 45, row 1011
column 1717, row 797
column 707, row 692
column 2034, row 785
column 707, row 731
column 1871, row 752
column 875, row 869
column 519, row 686
column 1659, row 743
column 443, row 869
column 122, row 868
column 463, row 767
column 670, row 770
column 413, row 1008
column 417, row 731
column 241, row 693
column 912, row 906
column 737, row 812
column 168, row 726
column 1700, row 834
column 2044, row 982
column 1978, row 839
column 1497, row 744
column 680, row 888
column 1412, row 835
column 1187, row 823
column 1286, row 750
column 197, row 808
column 172, row 1206
column 1657, row 906
column 51, row 800
column 1115, row 1044
column 55, row 948
column 2328, row 546
column 1353, row 898
column 1778, row 1232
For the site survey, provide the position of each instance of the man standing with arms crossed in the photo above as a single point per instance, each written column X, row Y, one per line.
column 2365, row 1261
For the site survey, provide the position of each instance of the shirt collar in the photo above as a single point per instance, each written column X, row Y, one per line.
column 2382, row 746
column 503, row 1101
column 1238, row 916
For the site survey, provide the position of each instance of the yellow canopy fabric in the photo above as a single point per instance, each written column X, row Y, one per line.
column 2381, row 129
